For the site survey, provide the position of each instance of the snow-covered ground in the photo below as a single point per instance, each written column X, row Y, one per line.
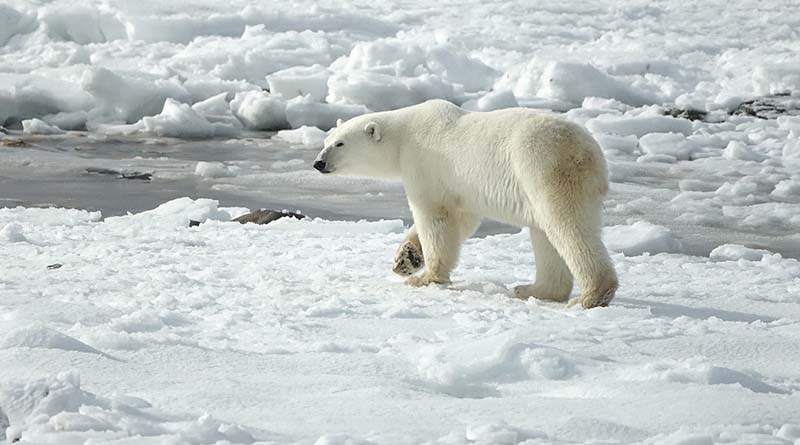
column 134, row 328
column 298, row 330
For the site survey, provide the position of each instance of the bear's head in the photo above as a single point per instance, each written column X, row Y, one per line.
column 358, row 147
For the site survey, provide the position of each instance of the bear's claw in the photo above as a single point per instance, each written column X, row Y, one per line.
column 408, row 259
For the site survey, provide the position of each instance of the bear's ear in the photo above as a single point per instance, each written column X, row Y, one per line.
column 373, row 131
column 339, row 122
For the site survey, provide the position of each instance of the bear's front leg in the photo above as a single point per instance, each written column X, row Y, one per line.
column 408, row 258
column 439, row 234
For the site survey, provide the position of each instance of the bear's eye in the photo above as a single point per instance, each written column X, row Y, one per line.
column 338, row 144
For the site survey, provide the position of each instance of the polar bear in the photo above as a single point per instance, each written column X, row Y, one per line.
column 518, row 166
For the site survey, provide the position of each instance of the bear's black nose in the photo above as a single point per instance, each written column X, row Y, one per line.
column 320, row 165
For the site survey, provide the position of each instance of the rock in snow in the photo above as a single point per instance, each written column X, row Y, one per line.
column 264, row 216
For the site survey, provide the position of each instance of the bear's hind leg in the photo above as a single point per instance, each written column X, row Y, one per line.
column 575, row 233
column 441, row 232
column 553, row 278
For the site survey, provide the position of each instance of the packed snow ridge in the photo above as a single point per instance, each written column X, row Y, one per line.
column 119, row 67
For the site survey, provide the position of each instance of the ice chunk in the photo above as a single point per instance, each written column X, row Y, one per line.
column 618, row 145
column 380, row 92
column 638, row 125
column 459, row 69
column 494, row 100
column 14, row 22
column 789, row 123
column 180, row 120
column 12, row 233
column 215, row 105
column 32, row 96
column 604, row 104
column 4, row 424
column 127, row 99
column 177, row 212
column 573, row 82
column 670, row 144
column 303, row 111
column 300, row 81
column 789, row 432
column 51, row 216
column 766, row 216
column 310, row 137
column 68, row 120
column 500, row 433
column 776, row 78
column 259, row 110
column 176, row 120
column 741, row 188
column 738, row 150
column 640, row 237
column 38, row 126
column 214, row 170
column 401, row 59
column 390, row 73
column 734, row 252
column 38, row 336
column 791, row 150
column 787, row 190
column 47, row 410
column 217, row 110
column 81, row 24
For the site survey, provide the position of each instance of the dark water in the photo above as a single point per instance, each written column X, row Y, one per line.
column 77, row 171
column 57, row 171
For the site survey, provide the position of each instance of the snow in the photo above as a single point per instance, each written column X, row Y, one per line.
column 260, row 111
column 58, row 409
column 787, row 190
column 304, row 112
column 12, row 233
column 119, row 62
column 494, row 100
column 121, row 323
column 738, row 150
column 300, row 81
column 734, row 252
column 673, row 145
column 306, row 315
column 572, row 82
column 43, row 337
column 640, row 237
column 638, row 125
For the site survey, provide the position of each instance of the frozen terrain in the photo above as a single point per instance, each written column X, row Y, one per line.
column 297, row 331
column 122, row 121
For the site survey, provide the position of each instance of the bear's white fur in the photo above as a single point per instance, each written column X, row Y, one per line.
column 518, row 166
